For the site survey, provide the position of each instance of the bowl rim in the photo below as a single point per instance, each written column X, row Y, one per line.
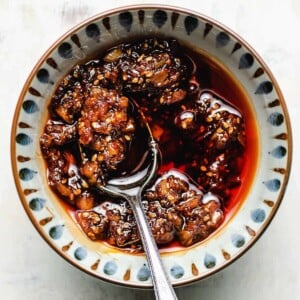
column 176, row 9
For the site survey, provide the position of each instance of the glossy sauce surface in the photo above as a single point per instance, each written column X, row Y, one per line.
column 192, row 134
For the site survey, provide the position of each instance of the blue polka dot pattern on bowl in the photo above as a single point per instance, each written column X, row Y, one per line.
column 125, row 20
column 273, row 185
column 26, row 174
column 190, row 24
column 246, row 61
column 110, row 268
column 276, row 119
column 279, row 152
column 238, row 240
column 37, row 204
column 177, row 271
column 265, row 87
column 65, row 50
column 23, row 139
column 222, row 39
column 144, row 273
column 80, row 253
column 209, row 261
column 258, row 215
column 93, row 32
column 43, row 76
column 159, row 18
column 30, row 106
column 56, row 232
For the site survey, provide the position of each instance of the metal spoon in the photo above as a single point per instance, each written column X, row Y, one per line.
column 131, row 188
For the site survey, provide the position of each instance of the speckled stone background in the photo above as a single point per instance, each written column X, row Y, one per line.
column 29, row 269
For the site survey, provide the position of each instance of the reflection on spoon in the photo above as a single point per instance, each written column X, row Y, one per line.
column 131, row 188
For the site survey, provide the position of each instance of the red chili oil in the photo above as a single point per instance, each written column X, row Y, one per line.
column 210, row 75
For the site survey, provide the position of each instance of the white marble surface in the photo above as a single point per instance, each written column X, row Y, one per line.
column 29, row 269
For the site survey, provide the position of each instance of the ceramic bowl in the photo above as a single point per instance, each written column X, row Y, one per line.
column 268, row 111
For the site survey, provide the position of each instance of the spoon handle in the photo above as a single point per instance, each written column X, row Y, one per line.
column 162, row 286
